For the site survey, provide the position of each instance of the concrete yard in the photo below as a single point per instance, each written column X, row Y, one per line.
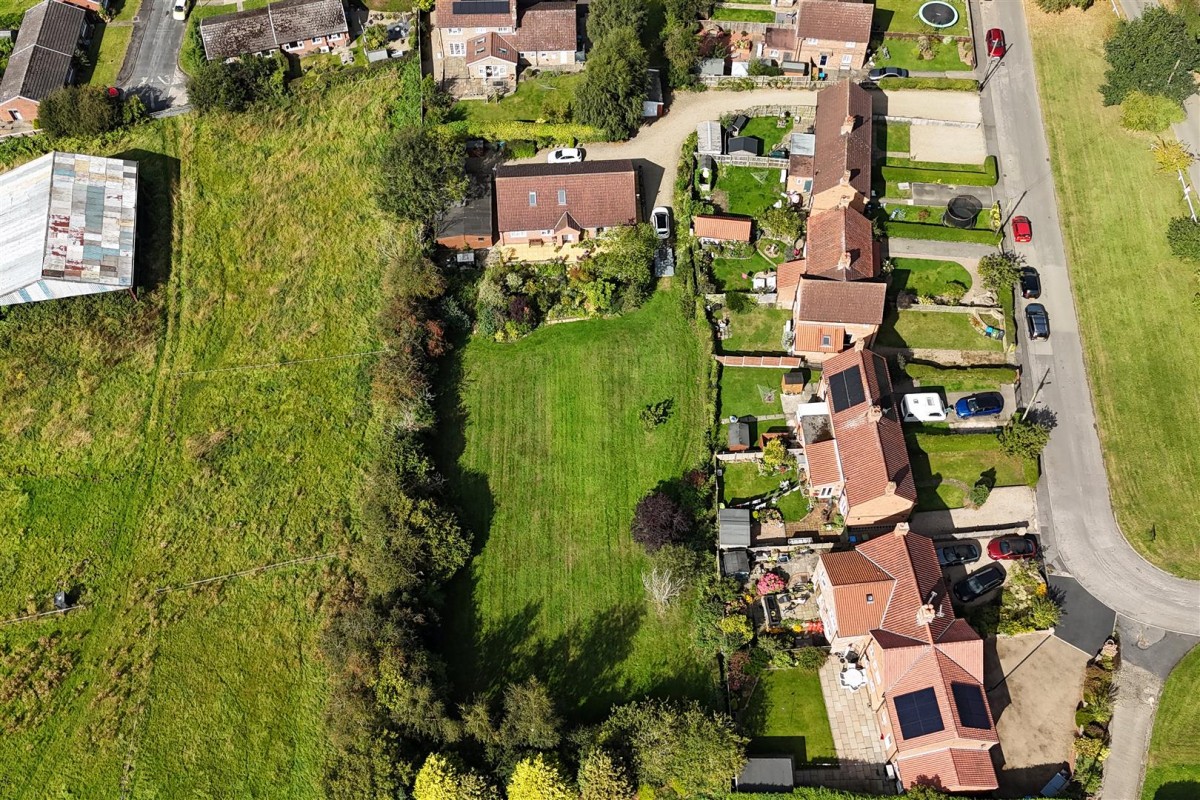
column 1034, row 684
column 947, row 145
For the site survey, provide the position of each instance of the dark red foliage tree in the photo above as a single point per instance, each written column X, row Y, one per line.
column 658, row 521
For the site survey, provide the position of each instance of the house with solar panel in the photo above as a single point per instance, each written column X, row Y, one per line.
column 68, row 225
column 42, row 59
column 492, row 40
column 887, row 601
column 853, row 445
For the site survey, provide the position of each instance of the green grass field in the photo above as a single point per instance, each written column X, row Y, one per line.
column 901, row 15
column 742, row 15
column 742, row 390
column 746, row 190
column 941, row 458
column 934, row 330
column 926, row 276
column 960, row 379
column 787, row 715
column 1173, row 764
column 759, row 330
column 549, row 460
column 1134, row 323
column 130, row 465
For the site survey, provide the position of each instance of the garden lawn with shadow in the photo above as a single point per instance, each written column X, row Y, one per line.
column 905, row 53
column 893, row 137
column 759, row 330
column 1173, row 765
column 767, row 131
column 531, row 100
column 942, row 462
column 786, row 715
column 741, row 391
column 927, row 276
column 960, row 379
column 742, row 15
column 728, row 272
column 933, row 330
column 747, row 190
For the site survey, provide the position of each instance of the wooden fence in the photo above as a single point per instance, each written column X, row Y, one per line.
column 762, row 162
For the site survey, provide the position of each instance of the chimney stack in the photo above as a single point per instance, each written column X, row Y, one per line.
column 901, row 529
column 848, row 125
column 926, row 614
column 874, row 414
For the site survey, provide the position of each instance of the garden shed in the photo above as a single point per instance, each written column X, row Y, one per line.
column 745, row 146
column 735, row 563
column 739, row 437
column 733, row 526
column 767, row 774
column 793, row 382
column 708, row 138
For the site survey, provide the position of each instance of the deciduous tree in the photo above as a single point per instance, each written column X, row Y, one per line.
column 999, row 272
column 1183, row 235
column 1149, row 112
column 422, row 174
column 603, row 777
column 218, row 86
column 606, row 16
column 444, row 778
column 1024, row 437
column 1171, row 155
column 614, row 85
column 1154, row 53
column 658, row 521
column 78, row 111
column 536, row 778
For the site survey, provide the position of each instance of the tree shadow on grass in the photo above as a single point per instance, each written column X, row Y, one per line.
column 1178, row 790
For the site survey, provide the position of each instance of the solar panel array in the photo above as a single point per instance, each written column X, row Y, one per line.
column 480, row 7
column 918, row 713
column 971, row 709
column 846, row 389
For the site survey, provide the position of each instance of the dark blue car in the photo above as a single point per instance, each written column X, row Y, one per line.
column 986, row 404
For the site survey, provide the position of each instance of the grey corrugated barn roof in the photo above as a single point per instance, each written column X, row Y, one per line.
column 734, row 527
column 262, row 29
column 41, row 57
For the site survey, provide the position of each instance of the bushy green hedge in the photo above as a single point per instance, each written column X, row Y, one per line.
column 897, row 170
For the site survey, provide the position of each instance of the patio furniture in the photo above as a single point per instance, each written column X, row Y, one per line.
column 853, row 679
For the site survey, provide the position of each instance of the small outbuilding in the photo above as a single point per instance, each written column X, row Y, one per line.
column 733, row 528
column 735, row 564
column 793, row 382
column 713, row 66
column 738, row 125
column 708, row 138
column 767, row 774
column 745, row 146
column 739, row 437
column 652, row 106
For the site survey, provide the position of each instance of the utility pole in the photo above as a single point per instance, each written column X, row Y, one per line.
column 1036, row 392
column 1187, row 193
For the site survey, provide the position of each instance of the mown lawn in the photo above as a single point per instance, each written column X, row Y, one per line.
column 939, row 458
column 893, row 137
column 933, row 330
column 107, row 53
column 787, row 715
column 759, row 330
column 905, row 53
column 927, row 276
column 728, row 272
column 549, row 459
column 742, row 15
column 746, row 190
column 960, row 379
column 767, row 131
column 901, row 15
column 741, row 481
column 529, row 102
column 1173, row 764
column 130, row 466
column 742, row 390
column 1102, row 173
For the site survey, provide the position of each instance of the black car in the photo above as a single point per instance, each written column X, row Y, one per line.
column 1038, row 321
column 888, row 72
column 1031, row 283
column 958, row 553
column 979, row 584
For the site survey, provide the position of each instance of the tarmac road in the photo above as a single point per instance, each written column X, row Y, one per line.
column 151, row 68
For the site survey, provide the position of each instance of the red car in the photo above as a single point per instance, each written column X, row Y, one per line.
column 1022, row 230
column 1012, row 548
column 995, row 43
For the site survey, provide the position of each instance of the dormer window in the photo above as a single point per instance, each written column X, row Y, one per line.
column 826, row 340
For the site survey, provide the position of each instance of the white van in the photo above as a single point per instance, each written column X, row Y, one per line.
column 925, row 407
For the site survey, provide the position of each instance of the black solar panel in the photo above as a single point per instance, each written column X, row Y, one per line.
column 846, row 389
column 480, row 7
column 919, row 714
column 971, row 710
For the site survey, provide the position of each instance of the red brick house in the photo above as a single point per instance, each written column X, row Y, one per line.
column 297, row 27
column 827, row 36
column 544, row 34
column 842, row 150
column 41, row 60
column 555, row 204
column 888, row 601
column 491, row 57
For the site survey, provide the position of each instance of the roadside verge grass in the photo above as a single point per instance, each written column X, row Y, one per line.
column 1173, row 764
column 1132, row 295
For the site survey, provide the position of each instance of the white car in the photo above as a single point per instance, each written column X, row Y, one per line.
column 660, row 218
column 923, row 407
column 565, row 155
column 179, row 10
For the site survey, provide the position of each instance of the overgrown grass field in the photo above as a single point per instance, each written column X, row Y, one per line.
column 1134, row 322
column 149, row 444
column 548, row 458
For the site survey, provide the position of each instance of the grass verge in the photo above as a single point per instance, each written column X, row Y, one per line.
column 1101, row 172
column 549, row 459
column 935, row 84
column 787, row 715
column 107, row 53
column 1173, row 764
column 903, row 170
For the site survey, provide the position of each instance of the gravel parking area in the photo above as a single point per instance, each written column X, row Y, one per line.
column 1034, row 683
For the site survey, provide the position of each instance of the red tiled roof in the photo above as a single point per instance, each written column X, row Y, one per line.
column 837, row 153
column 912, row 559
column 546, row 26
column 812, row 338
column 843, row 302
column 841, row 246
column 850, row 567
column 800, row 166
column 597, row 194
column 491, row 45
column 787, row 279
column 457, row 14
column 778, row 38
column 834, row 21
column 722, row 226
column 822, row 461
column 954, row 769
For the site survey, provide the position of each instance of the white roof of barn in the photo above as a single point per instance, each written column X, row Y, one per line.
column 708, row 138
column 67, row 225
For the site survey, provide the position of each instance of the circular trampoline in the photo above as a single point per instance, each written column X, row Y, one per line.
column 937, row 13
column 962, row 211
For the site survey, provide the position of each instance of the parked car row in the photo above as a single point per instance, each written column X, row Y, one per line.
column 991, row 577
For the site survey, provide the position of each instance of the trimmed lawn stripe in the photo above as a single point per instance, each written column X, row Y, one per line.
column 759, row 330
column 934, row 330
column 927, row 276
column 1173, row 765
column 787, row 715
column 742, row 389
column 966, row 457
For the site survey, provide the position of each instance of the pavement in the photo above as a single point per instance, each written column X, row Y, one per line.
column 1034, row 683
column 1006, row 507
column 1078, row 526
column 151, row 68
